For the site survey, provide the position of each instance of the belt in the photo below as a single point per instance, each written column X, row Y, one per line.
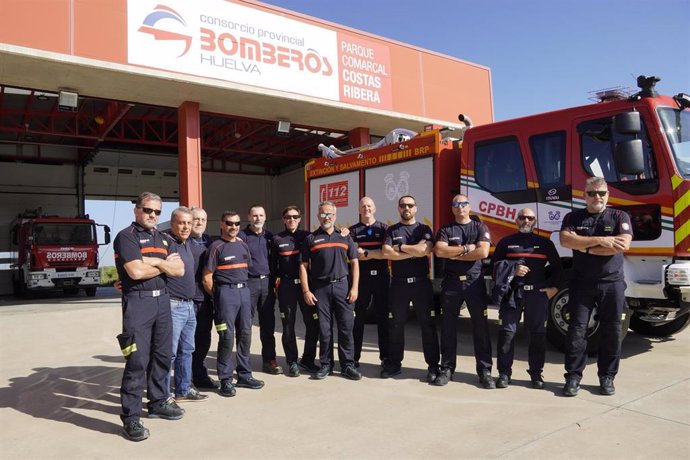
column 154, row 293
column 330, row 280
column 177, row 299
column 234, row 285
column 410, row 280
column 258, row 276
column 461, row 277
column 528, row 287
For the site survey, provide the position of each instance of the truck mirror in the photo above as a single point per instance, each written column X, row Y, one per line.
column 629, row 157
column 628, row 123
column 106, row 237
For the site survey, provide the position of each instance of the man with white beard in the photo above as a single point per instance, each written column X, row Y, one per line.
column 521, row 260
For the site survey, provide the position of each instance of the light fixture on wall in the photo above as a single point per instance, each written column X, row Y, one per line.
column 68, row 100
column 283, row 128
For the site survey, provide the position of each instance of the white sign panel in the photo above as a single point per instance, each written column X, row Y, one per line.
column 386, row 184
column 343, row 190
column 224, row 40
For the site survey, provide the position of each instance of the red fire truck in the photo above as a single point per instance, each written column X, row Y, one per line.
column 640, row 144
column 55, row 253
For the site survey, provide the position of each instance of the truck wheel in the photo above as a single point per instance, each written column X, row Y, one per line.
column 90, row 291
column 664, row 329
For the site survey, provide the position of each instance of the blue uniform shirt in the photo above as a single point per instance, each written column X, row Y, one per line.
column 370, row 237
column 259, row 245
column 328, row 254
column 199, row 247
column 409, row 234
column 135, row 242
column 182, row 287
column 534, row 251
column 229, row 261
column 286, row 253
column 456, row 234
column 609, row 222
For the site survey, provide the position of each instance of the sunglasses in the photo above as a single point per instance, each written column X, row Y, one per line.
column 406, row 205
column 230, row 223
column 151, row 210
column 460, row 204
column 593, row 193
column 326, row 215
column 291, row 217
column 528, row 218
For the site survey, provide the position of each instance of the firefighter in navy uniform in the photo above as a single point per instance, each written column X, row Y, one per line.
column 144, row 259
column 326, row 253
column 464, row 243
column 225, row 277
column 525, row 287
column 598, row 237
column 408, row 245
column 286, row 261
column 261, row 285
column 374, row 277
column 203, row 303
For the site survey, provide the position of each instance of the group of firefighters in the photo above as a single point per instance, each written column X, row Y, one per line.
column 176, row 285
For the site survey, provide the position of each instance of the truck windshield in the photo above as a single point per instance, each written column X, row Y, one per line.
column 677, row 129
column 67, row 233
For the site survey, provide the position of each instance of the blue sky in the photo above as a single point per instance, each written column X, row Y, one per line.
column 543, row 55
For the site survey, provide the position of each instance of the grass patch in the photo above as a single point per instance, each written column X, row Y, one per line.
column 108, row 276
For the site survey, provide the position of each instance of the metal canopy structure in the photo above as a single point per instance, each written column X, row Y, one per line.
column 33, row 117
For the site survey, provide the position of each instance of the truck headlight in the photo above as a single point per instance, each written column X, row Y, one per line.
column 678, row 274
column 39, row 276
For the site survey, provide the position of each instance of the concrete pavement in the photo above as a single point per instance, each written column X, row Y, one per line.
column 61, row 370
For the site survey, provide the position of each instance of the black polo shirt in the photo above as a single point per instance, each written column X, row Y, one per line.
column 456, row 234
column 182, row 287
column 229, row 261
column 370, row 237
column 259, row 245
column 286, row 253
column 610, row 222
column 535, row 252
column 199, row 247
column 328, row 254
column 135, row 242
column 409, row 234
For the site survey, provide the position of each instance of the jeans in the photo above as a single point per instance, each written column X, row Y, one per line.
column 184, row 327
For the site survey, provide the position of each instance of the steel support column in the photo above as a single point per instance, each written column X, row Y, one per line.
column 189, row 148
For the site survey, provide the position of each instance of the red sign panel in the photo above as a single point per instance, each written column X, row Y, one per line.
column 337, row 192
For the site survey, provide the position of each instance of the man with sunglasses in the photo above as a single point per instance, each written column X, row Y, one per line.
column 522, row 257
column 326, row 253
column 598, row 236
column 144, row 259
column 374, row 282
column 225, row 277
column 261, row 283
column 285, row 265
column 464, row 243
column 408, row 245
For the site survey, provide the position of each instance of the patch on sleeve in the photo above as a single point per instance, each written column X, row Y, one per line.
column 625, row 226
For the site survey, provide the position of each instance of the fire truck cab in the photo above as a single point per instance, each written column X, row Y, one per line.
column 641, row 145
column 54, row 253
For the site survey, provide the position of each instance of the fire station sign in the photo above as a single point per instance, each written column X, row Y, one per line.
column 231, row 42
